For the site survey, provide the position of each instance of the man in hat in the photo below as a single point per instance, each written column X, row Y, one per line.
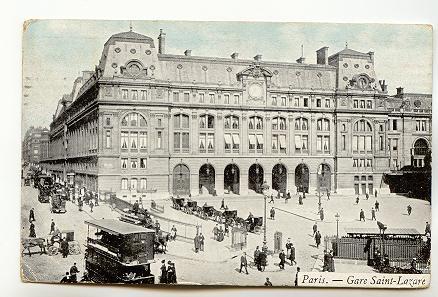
column 52, row 227
column 31, row 215
column 64, row 247
column 268, row 282
column 215, row 232
column 376, row 205
column 201, row 241
column 315, row 228
column 163, row 269
column 282, row 257
column 409, row 208
column 257, row 258
column 223, row 204
column 272, row 213
column 328, row 194
column 32, row 232
column 296, row 277
column 169, row 275
column 66, row 278
column 272, row 199
column 317, row 239
column 292, row 254
column 300, row 200
column 196, row 242
column 362, row 215
column 321, row 214
column 357, row 199
column 243, row 263
column 427, row 229
column 373, row 214
column 73, row 273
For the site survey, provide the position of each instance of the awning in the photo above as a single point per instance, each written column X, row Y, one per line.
column 236, row 139
column 298, row 142
column 282, row 141
column 260, row 138
column 252, row 139
column 227, row 138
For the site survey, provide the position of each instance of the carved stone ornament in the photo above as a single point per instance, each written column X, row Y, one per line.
column 133, row 69
column 343, row 102
column 255, row 91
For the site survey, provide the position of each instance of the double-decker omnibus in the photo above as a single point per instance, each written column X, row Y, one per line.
column 119, row 252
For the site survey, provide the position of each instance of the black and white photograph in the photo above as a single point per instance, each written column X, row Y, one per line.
column 183, row 153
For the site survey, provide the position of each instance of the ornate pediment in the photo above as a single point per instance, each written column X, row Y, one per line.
column 134, row 69
column 255, row 70
column 362, row 82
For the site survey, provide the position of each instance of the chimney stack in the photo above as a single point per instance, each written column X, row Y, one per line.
column 188, row 52
column 371, row 54
column 258, row 57
column 322, row 56
column 400, row 91
column 161, row 42
column 234, row 56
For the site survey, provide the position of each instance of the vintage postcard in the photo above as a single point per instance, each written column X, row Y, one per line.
column 226, row 153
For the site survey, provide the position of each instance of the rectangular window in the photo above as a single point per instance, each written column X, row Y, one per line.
column 362, row 103
column 369, row 104
column 202, row 142
column 212, row 98
column 361, row 143
column 355, row 142
column 201, row 98
column 355, row 164
column 228, row 141
column 227, row 99
column 355, row 104
column 159, row 140
column 252, row 142
column 124, row 94
column 306, row 102
column 368, row 143
column 296, row 101
column 133, row 139
column 124, row 183
column 274, row 100
column 282, row 140
column 343, row 144
column 124, row 138
column 176, row 141
column 283, row 101
column 319, row 143
column 394, row 143
column 318, row 102
column 144, row 94
column 176, row 97
column 185, row 140
column 236, row 99
column 108, row 139
column 420, row 125
column 143, row 184
column 210, row 142
column 159, row 122
column 236, row 141
column 394, row 125
column 275, row 142
column 143, row 163
column 186, row 97
column 124, row 163
column 134, row 163
column 133, row 184
column 134, row 95
column 143, row 140
column 381, row 146
column 327, row 103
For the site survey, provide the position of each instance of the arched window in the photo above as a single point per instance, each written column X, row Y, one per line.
column 256, row 137
column 278, row 123
column 133, row 133
column 231, row 122
column 323, row 125
column 301, row 124
column 206, row 134
column 362, row 140
column 181, row 133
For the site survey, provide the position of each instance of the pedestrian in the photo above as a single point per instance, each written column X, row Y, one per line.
column 96, row 199
column 257, row 258
column 321, row 214
column 376, row 205
column 409, row 208
column 52, row 227
column 73, row 273
column 135, row 207
column 80, row 203
column 315, row 228
column 268, row 282
column 357, row 199
column 367, row 196
column 243, row 263
column 288, row 246
column 272, row 198
column 220, row 234
column 373, row 214
column 325, row 266
column 64, row 247
column 32, row 232
column 272, row 213
column 169, row 275
column 282, row 257
column 196, row 242
column 263, row 259
column 362, row 215
column 328, row 195
column 173, row 273
column 215, row 232
column 300, row 200
column 163, row 275
column 91, row 205
column 31, row 215
column 201, row 242
column 317, row 239
column 427, row 229
column 331, row 262
column 292, row 255
column 223, row 204
column 173, row 233
column 157, row 226
column 304, row 195
column 288, row 195
column 375, row 193
column 66, row 278
column 296, row 277
column 278, row 195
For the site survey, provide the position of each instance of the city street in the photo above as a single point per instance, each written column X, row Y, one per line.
column 218, row 264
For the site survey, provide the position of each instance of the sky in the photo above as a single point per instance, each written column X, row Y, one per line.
column 56, row 51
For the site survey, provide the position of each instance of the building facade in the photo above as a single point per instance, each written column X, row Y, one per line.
column 148, row 121
column 35, row 145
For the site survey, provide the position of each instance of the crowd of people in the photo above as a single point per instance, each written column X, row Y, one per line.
column 168, row 273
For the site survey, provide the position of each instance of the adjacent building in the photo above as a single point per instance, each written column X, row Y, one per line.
column 145, row 121
column 35, row 145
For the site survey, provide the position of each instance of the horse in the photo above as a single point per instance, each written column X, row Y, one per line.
column 32, row 242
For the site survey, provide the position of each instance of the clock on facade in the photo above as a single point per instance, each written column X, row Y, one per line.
column 255, row 91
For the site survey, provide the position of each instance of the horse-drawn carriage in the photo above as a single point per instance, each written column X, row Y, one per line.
column 226, row 217
column 190, row 206
column 177, row 203
column 58, row 204
column 251, row 224
column 206, row 212
column 51, row 245
column 141, row 218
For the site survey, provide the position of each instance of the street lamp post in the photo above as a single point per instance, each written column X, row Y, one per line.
column 337, row 232
column 265, row 187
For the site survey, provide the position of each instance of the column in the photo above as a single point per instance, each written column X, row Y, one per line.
column 219, row 181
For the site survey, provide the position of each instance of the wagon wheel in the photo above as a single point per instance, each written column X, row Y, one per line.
column 52, row 250
column 74, row 248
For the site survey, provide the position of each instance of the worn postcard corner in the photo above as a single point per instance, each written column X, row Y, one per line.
column 287, row 154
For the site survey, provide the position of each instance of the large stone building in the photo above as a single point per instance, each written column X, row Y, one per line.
column 35, row 145
column 148, row 121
